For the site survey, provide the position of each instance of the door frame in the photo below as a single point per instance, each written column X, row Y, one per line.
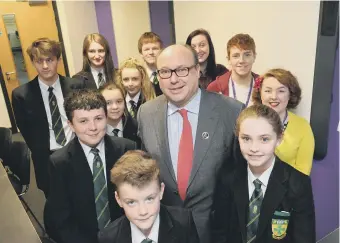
column 60, row 36
column 8, row 103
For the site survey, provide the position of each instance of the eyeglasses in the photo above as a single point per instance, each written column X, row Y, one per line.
column 180, row 72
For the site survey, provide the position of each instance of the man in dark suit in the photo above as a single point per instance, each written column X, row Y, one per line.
column 139, row 191
column 190, row 132
column 81, row 199
column 267, row 200
column 38, row 105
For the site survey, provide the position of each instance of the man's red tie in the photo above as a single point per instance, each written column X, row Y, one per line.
column 185, row 155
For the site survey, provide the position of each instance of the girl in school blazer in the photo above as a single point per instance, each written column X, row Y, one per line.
column 138, row 89
column 119, row 122
column 266, row 200
column 98, row 67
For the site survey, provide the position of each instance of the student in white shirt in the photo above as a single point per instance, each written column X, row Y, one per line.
column 139, row 191
column 238, row 83
column 38, row 107
column 149, row 45
column 98, row 67
column 266, row 200
column 132, row 76
column 119, row 121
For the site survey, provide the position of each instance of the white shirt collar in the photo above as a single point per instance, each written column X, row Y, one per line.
column 137, row 236
column 193, row 106
column 135, row 99
column 149, row 72
column 95, row 71
column 264, row 177
column 87, row 149
column 110, row 128
column 45, row 87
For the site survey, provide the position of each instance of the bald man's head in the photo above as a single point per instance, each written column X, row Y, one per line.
column 181, row 48
column 178, row 73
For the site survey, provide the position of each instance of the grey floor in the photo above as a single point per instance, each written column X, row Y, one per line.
column 34, row 198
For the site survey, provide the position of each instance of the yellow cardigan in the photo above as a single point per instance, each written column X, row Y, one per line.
column 297, row 146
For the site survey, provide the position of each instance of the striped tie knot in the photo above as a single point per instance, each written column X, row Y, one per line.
column 115, row 132
column 257, row 184
column 146, row 241
column 95, row 151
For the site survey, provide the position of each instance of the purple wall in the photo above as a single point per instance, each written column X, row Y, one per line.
column 105, row 26
column 325, row 173
column 159, row 19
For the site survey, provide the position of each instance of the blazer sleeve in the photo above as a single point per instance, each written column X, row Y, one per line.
column 221, row 214
column 139, row 129
column 193, row 235
column 303, row 215
column 304, row 157
column 19, row 113
column 57, row 214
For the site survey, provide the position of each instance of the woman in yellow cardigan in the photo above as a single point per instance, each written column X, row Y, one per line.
column 280, row 90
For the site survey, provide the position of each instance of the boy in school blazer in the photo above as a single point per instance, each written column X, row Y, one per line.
column 32, row 104
column 283, row 209
column 139, row 191
column 81, row 199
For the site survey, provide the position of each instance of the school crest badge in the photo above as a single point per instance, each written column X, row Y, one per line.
column 279, row 228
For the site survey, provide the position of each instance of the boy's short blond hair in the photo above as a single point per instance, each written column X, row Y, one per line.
column 136, row 168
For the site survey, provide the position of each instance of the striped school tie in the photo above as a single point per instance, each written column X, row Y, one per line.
column 101, row 80
column 254, row 211
column 133, row 108
column 100, row 191
column 57, row 124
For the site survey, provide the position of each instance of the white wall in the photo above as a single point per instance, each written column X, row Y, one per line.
column 285, row 33
column 4, row 118
column 77, row 19
column 130, row 20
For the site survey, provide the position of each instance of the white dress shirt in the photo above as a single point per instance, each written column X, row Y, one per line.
column 175, row 125
column 135, row 99
column 137, row 236
column 110, row 128
column 242, row 92
column 95, row 73
column 90, row 156
column 57, row 91
column 264, row 178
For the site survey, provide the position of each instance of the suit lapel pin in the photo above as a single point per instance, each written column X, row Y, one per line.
column 205, row 135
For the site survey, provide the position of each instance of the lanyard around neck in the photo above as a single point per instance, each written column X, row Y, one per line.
column 249, row 92
column 285, row 121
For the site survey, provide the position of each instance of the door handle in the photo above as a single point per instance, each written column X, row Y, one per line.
column 8, row 75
